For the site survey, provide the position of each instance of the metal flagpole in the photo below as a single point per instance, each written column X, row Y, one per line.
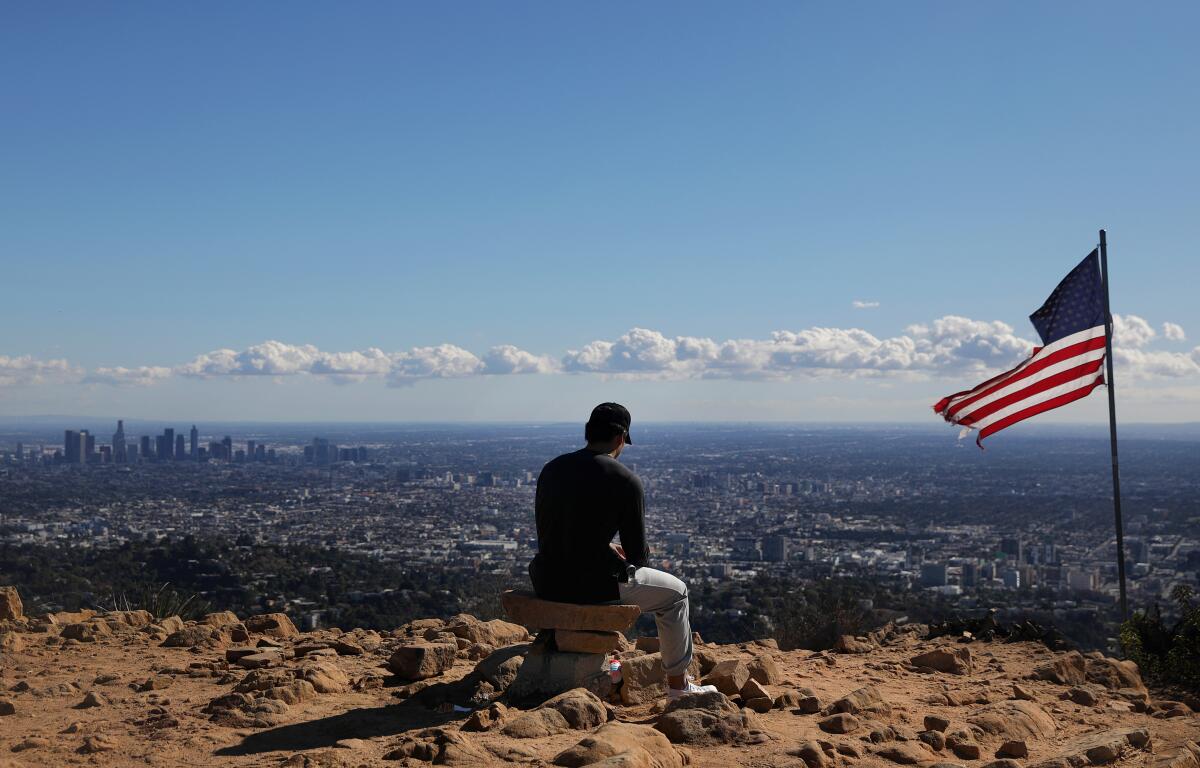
column 1112, row 426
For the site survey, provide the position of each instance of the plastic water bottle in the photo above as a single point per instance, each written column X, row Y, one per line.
column 614, row 671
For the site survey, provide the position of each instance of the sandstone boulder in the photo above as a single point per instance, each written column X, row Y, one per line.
column 955, row 660
column 841, row 722
column 852, row 644
column 526, row 609
column 864, row 700
column 764, row 669
column 325, row 677
column 499, row 668
column 11, row 608
column 904, row 753
column 422, row 660
column 1114, row 674
column 496, row 632
column 273, row 625
column 644, row 679
column 220, row 619
column 585, row 641
column 1014, row 719
column 1064, row 669
column 728, row 676
column 11, row 642
column 536, row 724
column 196, row 636
column 703, row 718
column 622, row 745
column 581, row 708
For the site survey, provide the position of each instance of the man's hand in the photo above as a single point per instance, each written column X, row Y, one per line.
column 618, row 549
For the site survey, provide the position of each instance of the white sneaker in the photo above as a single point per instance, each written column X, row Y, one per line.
column 688, row 689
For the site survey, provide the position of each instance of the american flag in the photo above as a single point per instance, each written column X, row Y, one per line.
column 1066, row 368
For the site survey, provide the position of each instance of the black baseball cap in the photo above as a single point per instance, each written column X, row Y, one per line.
column 615, row 414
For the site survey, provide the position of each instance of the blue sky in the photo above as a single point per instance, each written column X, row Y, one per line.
column 185, row 178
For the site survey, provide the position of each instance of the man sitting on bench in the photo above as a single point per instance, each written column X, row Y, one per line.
column 583, row 499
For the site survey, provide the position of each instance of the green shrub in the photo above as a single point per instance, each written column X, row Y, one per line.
column 1168, row 652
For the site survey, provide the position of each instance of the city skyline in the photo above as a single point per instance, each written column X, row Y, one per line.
column 794, row 214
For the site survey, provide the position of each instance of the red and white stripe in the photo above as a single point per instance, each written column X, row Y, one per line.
column 1054, row 375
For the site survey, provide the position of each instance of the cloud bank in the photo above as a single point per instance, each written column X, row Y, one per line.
column 951, row 346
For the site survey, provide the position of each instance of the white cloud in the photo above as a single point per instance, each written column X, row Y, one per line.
column 25, row 370
column 858, row 304
column 141, row 376
column 507, row 359
column 441, row 362
column 1131, row 331
column 954, row 345
column 949, row 343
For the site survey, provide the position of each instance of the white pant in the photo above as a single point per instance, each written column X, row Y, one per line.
column 666, row 597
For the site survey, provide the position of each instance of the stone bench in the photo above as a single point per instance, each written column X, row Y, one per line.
column 577, row 628
column 582, row 638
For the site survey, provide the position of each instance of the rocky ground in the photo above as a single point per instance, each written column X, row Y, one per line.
column 123, row 690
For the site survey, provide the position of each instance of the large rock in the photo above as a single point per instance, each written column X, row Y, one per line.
column 1064, row 669
column 11, row 608
column 864, row 700
column 422, row 660
column 585, row 641
column 325, row 677
column 955, row 660
column 851, row 644
column 622, row 745
column 644, row 678
column 703, row 718
column 545, row 673
column 1104, row 747
column 581, row 708
column 840, row 722
column 272, row 624
column 1114, row 674
column 496, row 633
column 499, row 668
column 536, row 724
column 199, row 635
column 220, row 619
column 1014, row 719
column 525, row 608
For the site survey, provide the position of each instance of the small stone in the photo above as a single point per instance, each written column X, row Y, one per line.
column 93, row 699
column 755, row 690
column 259, row 660
column 31, row 742
column 761, row 704
column 7, row 708
column 1021, row 692
column 1082, row 697
column 812, row 755
column 936, row 723
column 967, row 750
column 1013, row 748
column 935, row 739
column 100, row 742
column 536, row 724
column 842, row 722
column 808, row 705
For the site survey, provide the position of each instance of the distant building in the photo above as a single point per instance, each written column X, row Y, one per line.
column 1010, row 547
column 180, row 448
column 746, row 548
column 250, row 454
column 74, row 446
column 970, row 575
column 169, row 442
column 933, row 574
column 195, row 443
column 118, row 443
column 89, row 447
column 227, row 448
column 775, row 549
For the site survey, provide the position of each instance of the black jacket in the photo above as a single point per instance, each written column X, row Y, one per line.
column 583, row 499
